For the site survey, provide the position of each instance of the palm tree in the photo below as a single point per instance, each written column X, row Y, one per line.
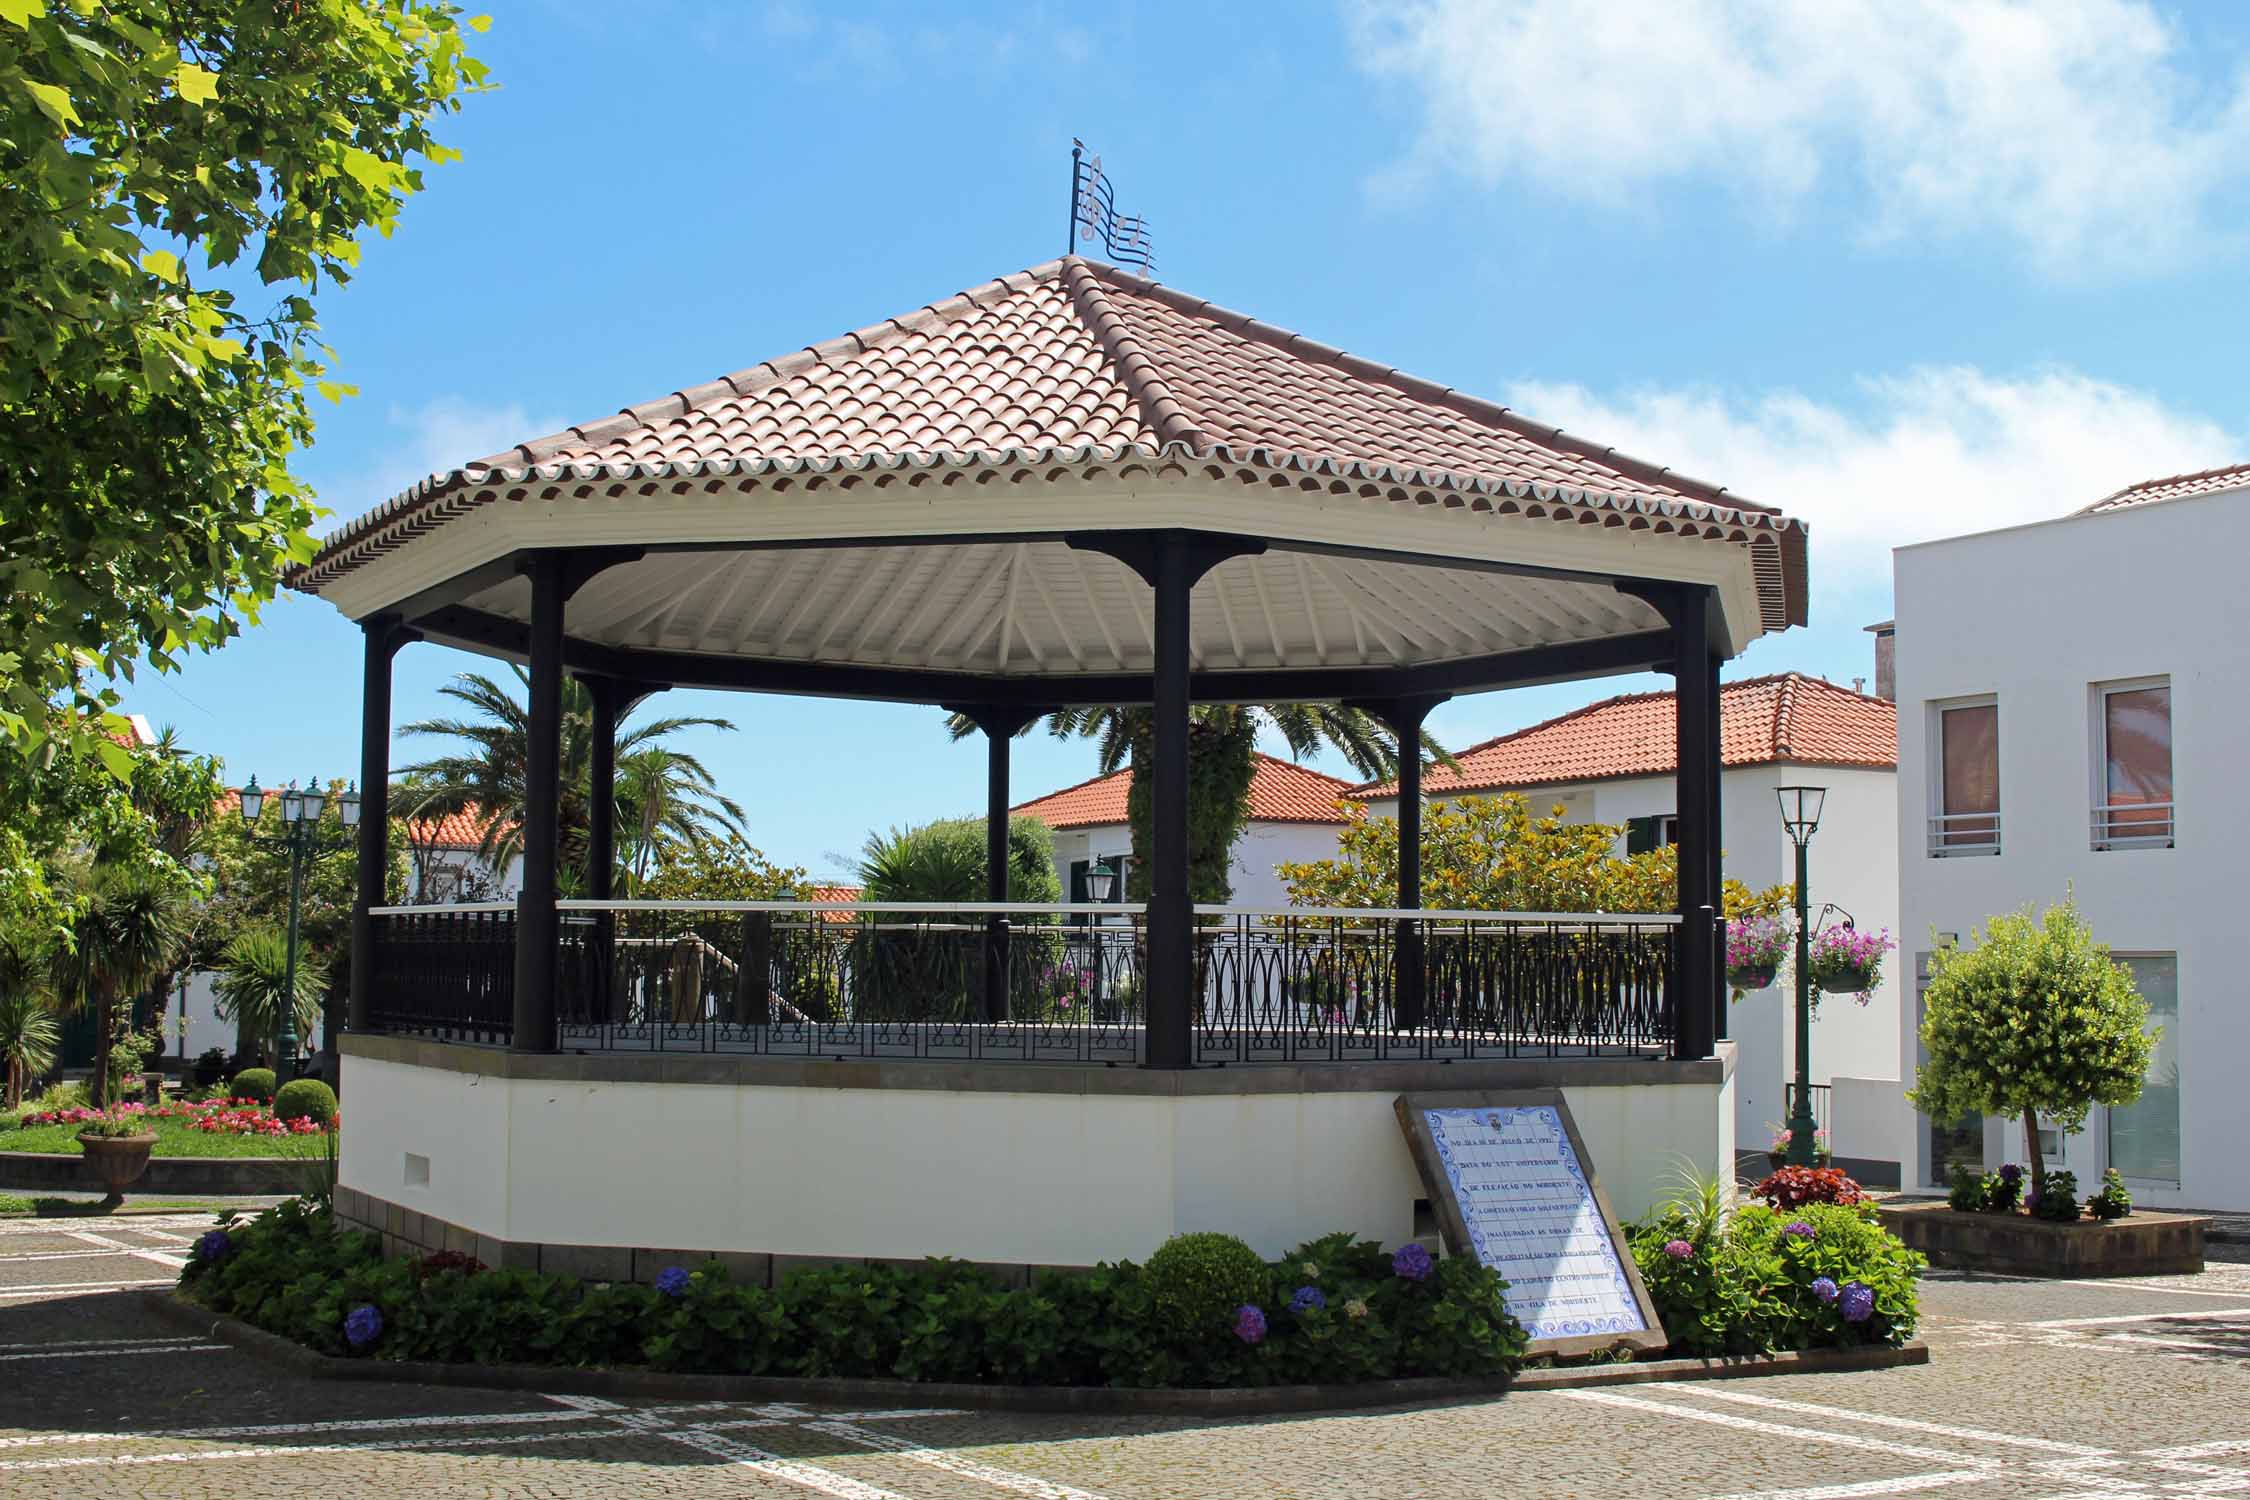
column 127, row 926
column 28, row 1034
column 250, row 987
column 1221, row 741
column 673, row 791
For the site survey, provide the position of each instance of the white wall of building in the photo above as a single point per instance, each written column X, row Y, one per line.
column 1854, row 863
column 1263, row 845
column 1046, row 1178
column 2037, row 615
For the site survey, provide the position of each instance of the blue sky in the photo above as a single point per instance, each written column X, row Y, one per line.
column 1906, row 269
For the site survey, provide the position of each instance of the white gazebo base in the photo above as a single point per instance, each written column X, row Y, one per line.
column 612, row 1166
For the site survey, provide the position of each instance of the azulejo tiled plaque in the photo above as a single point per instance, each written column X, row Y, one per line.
column 1513, row 1186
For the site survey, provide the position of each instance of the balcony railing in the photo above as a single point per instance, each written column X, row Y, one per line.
column 1953, row 834
column 1038, row 983
column 2133, row 825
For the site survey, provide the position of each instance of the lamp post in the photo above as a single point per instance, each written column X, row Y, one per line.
column 1800, row 815
column 300, row 835
column 1101, row 879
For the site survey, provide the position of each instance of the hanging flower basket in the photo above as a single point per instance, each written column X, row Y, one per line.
column 1846, row 961
column 1755, row 947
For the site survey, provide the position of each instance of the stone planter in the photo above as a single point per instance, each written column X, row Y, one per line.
column 118, row 1161
column 2016, row 1244
column 1752, row 976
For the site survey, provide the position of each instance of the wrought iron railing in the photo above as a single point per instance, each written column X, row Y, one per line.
column 1040, row 983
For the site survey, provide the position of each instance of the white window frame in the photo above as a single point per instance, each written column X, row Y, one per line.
column 1934, row 845
column 2103, row 837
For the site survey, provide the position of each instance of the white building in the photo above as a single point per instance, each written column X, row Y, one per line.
column 1612, row 762
column 1293, row 817
column 2072, row 723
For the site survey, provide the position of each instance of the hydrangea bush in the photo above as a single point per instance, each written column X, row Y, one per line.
column 1335, row 1310
column 1820, row 1275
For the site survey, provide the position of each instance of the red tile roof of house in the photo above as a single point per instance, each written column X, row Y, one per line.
column 1281, row 791
column 456, row 830
column 1073, row 356
column 1790, row 717
column 2176, row 487
column 834, row 893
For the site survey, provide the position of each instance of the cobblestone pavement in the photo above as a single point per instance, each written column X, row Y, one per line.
column 2059, row 1391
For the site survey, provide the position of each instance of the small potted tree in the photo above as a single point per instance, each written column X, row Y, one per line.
column 117, row 1147
column 2032, row 1020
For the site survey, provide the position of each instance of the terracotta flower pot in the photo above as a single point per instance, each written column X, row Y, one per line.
column 118, row 1161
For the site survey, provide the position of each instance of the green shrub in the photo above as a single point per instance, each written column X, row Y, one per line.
column 304, row 1099
column 1755, row 1285
column 1197, row 1281
column 2112, row 1202
column 293, row 1272
column 1967, row 1191
column 10, row 1119
column 2057, row 1198
column 253, row 1083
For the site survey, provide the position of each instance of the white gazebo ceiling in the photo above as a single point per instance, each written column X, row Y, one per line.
column 907, row 497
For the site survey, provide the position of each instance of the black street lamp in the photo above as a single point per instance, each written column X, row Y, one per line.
column 1800, row 815
column 300, row 835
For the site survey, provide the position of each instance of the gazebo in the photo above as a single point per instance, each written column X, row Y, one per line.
column 1067, row 486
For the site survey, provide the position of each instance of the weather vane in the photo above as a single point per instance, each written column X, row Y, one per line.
column 1094, row 216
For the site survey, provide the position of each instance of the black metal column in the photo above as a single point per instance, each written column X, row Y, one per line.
column 997, row 733
column 537, row 926
column 383, row 638
column 1405, row 716
column 1695, row 984
column 1713, row 779
column 1170, row 983
column 607, row 697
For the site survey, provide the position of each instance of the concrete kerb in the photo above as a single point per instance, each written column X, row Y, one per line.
column 1254, row 1402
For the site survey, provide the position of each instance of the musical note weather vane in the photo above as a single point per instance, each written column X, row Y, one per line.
column 1094, row 216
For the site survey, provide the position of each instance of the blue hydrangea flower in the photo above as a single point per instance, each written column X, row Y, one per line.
column 1308, row 1299
column 213, row 1245
column 363, row 1325
column 1824, row 1288
column 1413, row 1262
column 1801, row 1230
column 1250, row 1323
column 1858, row 1302
column 672, row 1281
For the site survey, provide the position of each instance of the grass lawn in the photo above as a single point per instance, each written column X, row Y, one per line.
column 20, row 1205
column 173, row 1138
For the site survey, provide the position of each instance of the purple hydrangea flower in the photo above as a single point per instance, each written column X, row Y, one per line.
column 1678, row 1249
column 1824, row 1288
column 1413, row 1262
column 1250, row 1323
column 213, row 1245
column 672, row 1281
column 2010, row 1173
column 1801, row 1230
column 1308, row 1299
column 1858, row 1302
column 363, row 1325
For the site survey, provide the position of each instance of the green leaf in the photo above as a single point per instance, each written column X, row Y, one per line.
column 334, row 390
column 195, row 85
column 115, row 758
column 369, row 170
column 53, row 102
column 20, row 12
column 162, row 263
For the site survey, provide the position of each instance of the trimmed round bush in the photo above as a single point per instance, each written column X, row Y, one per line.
column 252, row 1083
column 305, row 1099
column 1198, row 1281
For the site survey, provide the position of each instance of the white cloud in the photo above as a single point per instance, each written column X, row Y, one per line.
column 442, row 433
column 2074, row 128
column 1929, row 453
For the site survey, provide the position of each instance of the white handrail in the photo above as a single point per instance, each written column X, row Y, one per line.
column 1068, row 908
column 1440, row 914
column 974, row 908
column 440, row 908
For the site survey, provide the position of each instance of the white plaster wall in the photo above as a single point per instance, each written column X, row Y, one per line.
column 1854, row 863
column 1262, row 845
column 2037, row 615
column 1042, row 1178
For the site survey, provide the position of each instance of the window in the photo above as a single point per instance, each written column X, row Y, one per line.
column 1656, row 831
column 1966, row 789
column 2144, row 1136
column 2133, row 764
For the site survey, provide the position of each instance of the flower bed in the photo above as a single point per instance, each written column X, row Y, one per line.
column 1201, row 1314
column 1816, row 1275
column 216, row 1127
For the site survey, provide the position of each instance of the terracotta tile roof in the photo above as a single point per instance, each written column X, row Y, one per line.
column 459, row 830
column 1072, row 361
column 833, row 893
column 1790, row 717
column 1281, row 791
column 2176, row 487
